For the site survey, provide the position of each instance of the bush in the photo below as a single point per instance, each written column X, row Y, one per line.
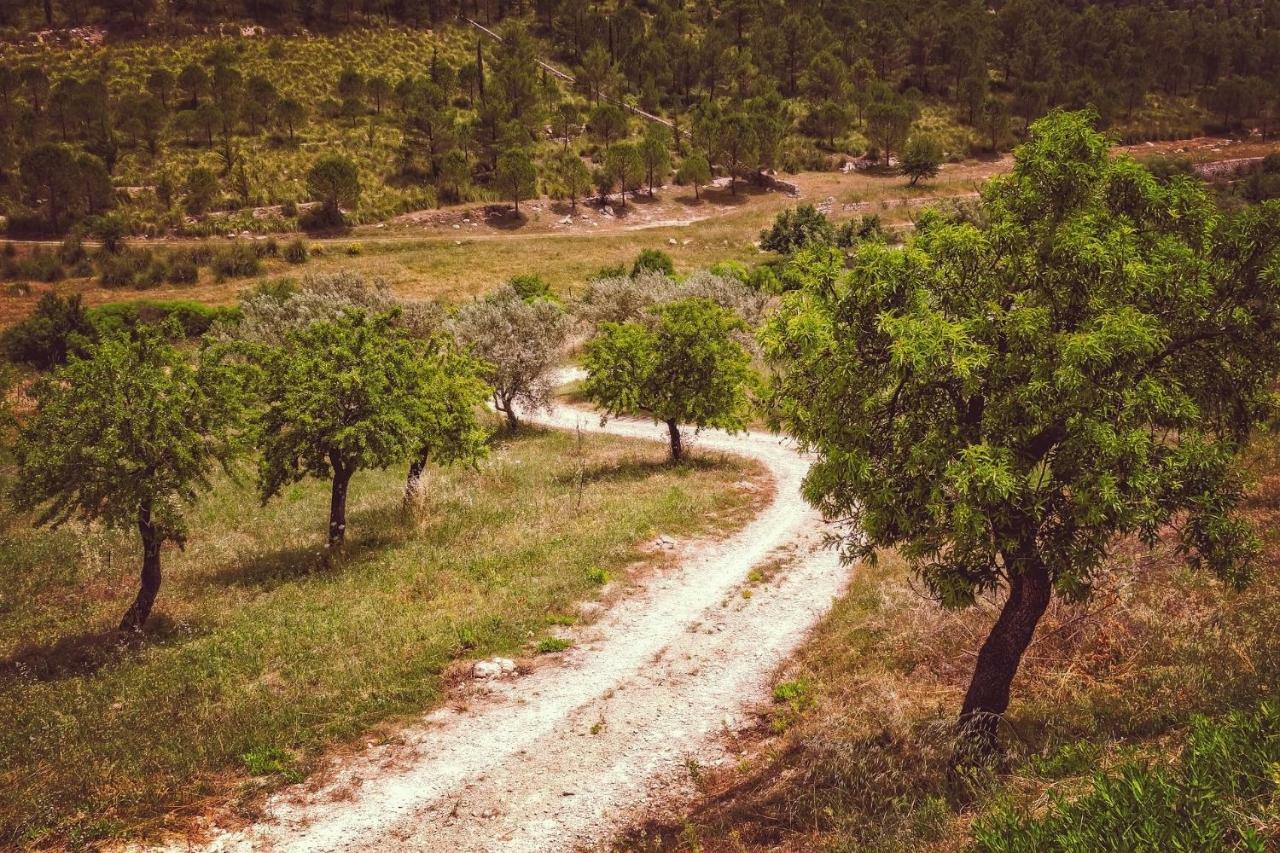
column 1221, row 789
column 136, row 268
column 182, row 268
column 55, row 329
column 194, row 317
column 654, row 260
column 295, row 251
column 40, row 265
column 795, row 228
column 531, row 286
column 238, row 260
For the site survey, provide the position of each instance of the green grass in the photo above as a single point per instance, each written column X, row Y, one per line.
column 259, row 655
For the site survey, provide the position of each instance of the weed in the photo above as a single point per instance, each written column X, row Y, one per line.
column 551, row 645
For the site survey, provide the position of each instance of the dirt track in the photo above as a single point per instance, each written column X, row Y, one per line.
column 564, row 757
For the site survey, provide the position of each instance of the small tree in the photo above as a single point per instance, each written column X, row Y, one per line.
column 607, row 123
column 625, row 167
column 519, row 341
column 49, row 175
column 686, row 367
column 570, row 177
column 340, row 396
column 1002, row 402
column 129, row 435
column 694, row 170
column 922, row 158
column 58, row 327
column 291, row 115
column 655, row 151
column 889, row 120
column 335, row 181
column 516, row 175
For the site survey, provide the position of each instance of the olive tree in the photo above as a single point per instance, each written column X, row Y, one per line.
column 1001, row 401
column 339, row 395
column 519, row 341
column 129, row 435
column 684, row 367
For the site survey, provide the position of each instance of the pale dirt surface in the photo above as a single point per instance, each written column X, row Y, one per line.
column 566, row 756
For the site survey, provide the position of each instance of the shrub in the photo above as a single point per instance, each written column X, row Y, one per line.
column 238, row 260
column 194, row 317
column 131, row 268
column 654, row 260
column 40, row 265
column 56, row 328
column 182, row 268
column 295, row 251
column 796, row 228
column 551, row 645
column 531, row 286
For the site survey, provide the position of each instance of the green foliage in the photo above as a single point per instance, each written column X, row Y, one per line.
column 516, row 176
column 339, row 396
column 797, row 227
column 653, row 260
column 551, row 645
column 694, row 170
column 922, row 158
column 1226, row 772
column 1001, row 401
column 530, row 287
column 93, row 452
column 569, row 177
column 296, row 252
column 193, row 319
column 334, row 181
column 57, row 328
column 686, row 367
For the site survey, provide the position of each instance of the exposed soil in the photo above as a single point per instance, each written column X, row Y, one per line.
column 566, row 756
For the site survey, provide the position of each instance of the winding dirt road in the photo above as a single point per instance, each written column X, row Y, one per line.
column 566, row 756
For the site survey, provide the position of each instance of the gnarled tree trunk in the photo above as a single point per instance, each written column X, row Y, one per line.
column 338, row 502
column 677, row 448
column 149, row 586
column 988, row 696
column 506, row 405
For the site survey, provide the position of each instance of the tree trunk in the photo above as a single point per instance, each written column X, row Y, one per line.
column 677, row 449
column 988, row 696
column 338, row 504
column 506, row 406
column 136, row 616
column 48, row 13
column 414, row 481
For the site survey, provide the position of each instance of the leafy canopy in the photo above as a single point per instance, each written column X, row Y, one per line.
column 340, row 395
column 686, row 366
column 1086, row 364
column 132, row 424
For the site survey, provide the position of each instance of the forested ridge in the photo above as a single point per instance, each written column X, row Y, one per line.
column 176, row 115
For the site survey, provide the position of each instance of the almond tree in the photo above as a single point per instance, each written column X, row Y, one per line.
column 686, row 366
column 130, row 435
column 1001, row 402
column 340, row 396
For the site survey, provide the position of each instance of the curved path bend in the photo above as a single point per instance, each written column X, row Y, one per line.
column 567, row 756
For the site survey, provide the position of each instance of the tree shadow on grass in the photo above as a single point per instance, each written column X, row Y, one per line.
column 634, row 470
column 369, row 531
column 86, row 653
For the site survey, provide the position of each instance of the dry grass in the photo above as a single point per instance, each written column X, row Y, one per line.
column 261, row 656
column 858, row 760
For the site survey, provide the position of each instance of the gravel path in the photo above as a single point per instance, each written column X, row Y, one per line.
column 566, row 756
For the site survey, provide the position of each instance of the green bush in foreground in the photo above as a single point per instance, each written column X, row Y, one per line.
column 1228, row 769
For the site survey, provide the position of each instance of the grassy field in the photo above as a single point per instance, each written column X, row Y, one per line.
column 853, row 753
column 260, row 655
